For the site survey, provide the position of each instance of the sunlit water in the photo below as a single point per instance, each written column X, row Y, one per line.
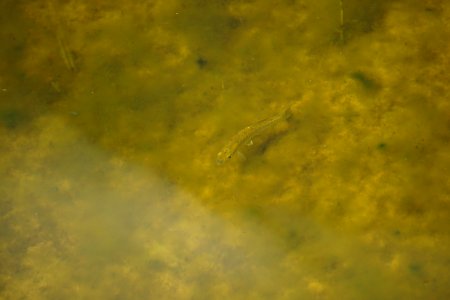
column 112, row 116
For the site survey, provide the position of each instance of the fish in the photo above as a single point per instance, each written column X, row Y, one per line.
column 246, row 135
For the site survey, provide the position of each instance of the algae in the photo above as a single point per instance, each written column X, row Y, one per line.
column 111, row 189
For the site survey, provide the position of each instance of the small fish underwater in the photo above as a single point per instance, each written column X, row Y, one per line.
column 246, row 135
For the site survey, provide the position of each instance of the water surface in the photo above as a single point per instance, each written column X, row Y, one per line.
column 112, row 115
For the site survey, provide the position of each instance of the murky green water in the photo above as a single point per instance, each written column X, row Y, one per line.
column 112, row 115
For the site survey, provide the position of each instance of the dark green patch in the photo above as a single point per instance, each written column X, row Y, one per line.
column 369, row 84
column 253, row 212
column 234, row 23
column 294, row 239
column 201, row 62
column 397, row 233
column 381, row 146
column 416, row 268
column 362, row 17
column 157, row 265
column 12, row 118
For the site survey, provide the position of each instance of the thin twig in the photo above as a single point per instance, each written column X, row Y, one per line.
column 62, row 45
column 341, row 31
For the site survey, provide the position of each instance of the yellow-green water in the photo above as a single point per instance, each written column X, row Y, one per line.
column 112, row 114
